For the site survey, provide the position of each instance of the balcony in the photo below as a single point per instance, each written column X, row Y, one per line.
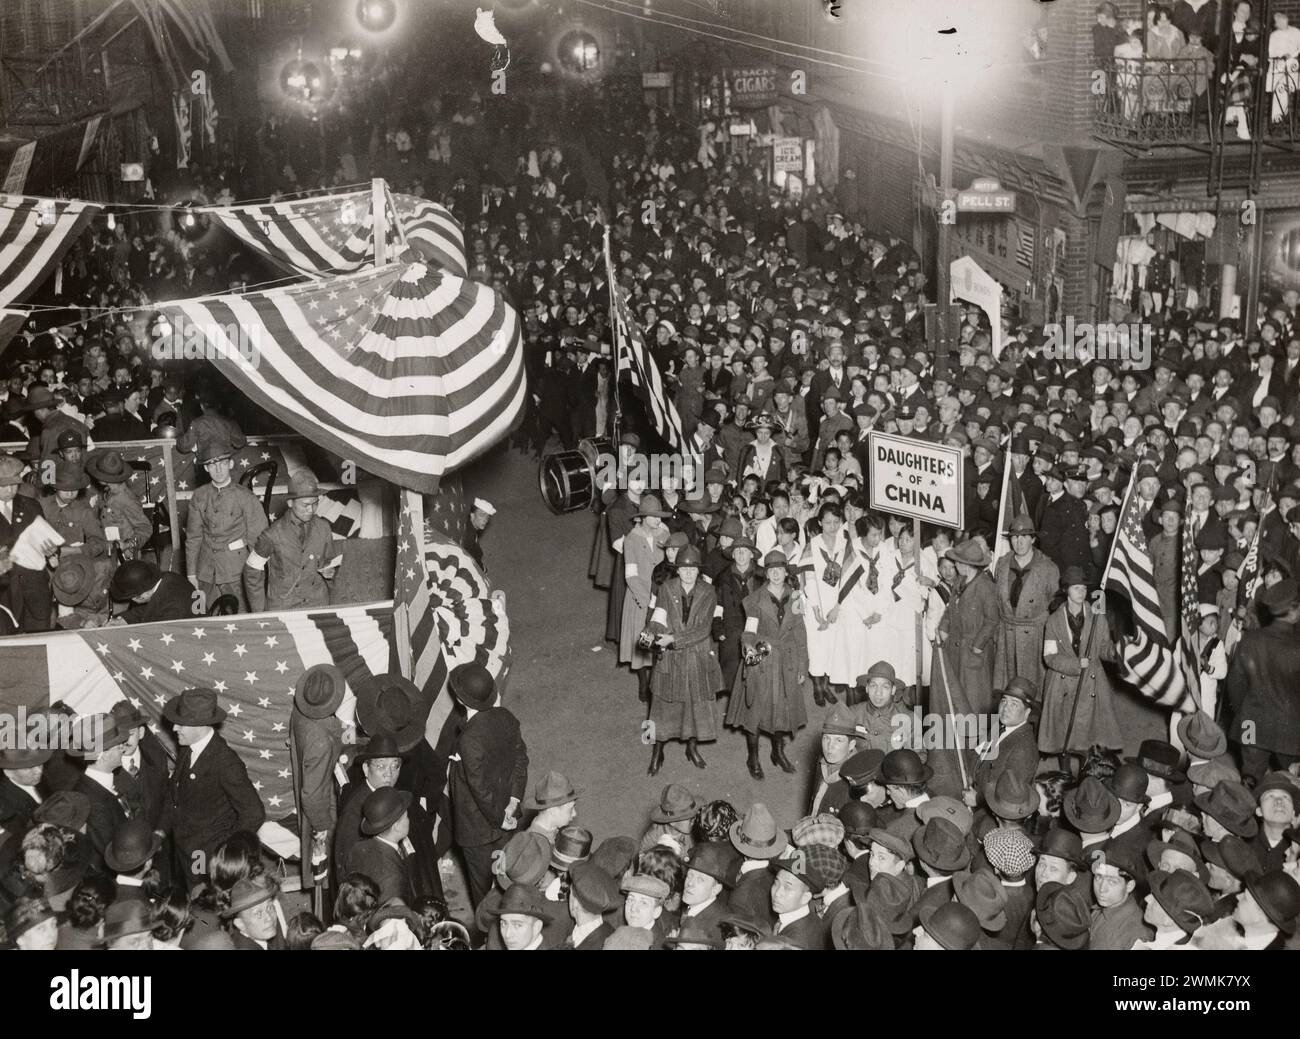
column 1146, row 103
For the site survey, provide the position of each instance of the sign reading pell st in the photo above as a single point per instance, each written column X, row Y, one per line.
column 916, row 478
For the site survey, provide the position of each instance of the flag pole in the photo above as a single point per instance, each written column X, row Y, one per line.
column 379, row 222
column 1110, row 556
column 614, row 393
column 1000, row 536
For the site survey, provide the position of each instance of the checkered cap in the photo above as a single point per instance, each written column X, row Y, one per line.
column 823, row 829
column 1009, row 851
column 823, row 867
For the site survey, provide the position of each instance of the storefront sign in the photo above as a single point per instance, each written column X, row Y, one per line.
column 753, row 87
column 19, row 166
column 787, row 155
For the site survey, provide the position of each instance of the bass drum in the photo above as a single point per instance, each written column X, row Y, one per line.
column 567, row 479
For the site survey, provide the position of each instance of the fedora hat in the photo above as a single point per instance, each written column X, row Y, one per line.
column 123, row 919
column 693, row 932
column 971, row 552
column 381, row 746
column 905, row 768
column 521, row 900
column 69, row 476
column 23, row 757
column 952, row 925
column 134, row 843
column 194, row 707
column 1063, row 915
column 1090, row 807
column 1062, row 844
column 127, row 714
column 860, row 927
column 756, row 835
column 392, row 705
column 100, row 733
column 572, row 844
column 108, row 467
column 1182, row 895
column 1278, row 896
column 1160, row 759
column 249, row 892
column 552, row 790
column 894, row 842
column 1129, row 783
column 524, row 859
column 740, row 542
column 593, row 887
column 382, row 808
column 859, row 819
column 302, row 484
column 133, row 578
column 1201, row 737
column 319, row 691
column 676, row 804
column 68, row 809
column 1010, row 797
column 40, row 397
column 882, row 669
column 893, row 898
column 1232, row 806
column 1232, row 854
column 73, row 580
column 651, row 506
column 473, row 685
column 983, row 894
column 1021, row 525
column 1180, row 842
column 941, row 845
column 713, row 860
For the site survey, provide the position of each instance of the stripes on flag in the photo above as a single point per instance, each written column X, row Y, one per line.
column 406, row 371
column 10, row 323
column 432, row 233
column 1025, row 244
column 35, row 233
column 1012, row 507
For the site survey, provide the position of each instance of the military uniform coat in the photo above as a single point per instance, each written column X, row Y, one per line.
column 1095, row 721
column 1019, row 649
column 617, row 524
column 970, row 622
column 687, row 677
column 641, row 554
column 119, row 509
column 78, row 524
column 1063, row 536
column 222, row 525
column 1262, row 682
column 294, row 553
column 769, row 696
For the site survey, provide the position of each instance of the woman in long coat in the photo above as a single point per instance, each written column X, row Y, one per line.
column 1019, row 649
column 642, row 550
column 734, row 586
column 768, row 695
column 617, row 524
column 1071, row 630
column 686, row 678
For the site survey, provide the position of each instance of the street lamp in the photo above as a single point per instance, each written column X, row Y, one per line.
column 377, row 15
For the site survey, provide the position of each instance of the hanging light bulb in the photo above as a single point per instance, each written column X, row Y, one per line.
column 112, row 222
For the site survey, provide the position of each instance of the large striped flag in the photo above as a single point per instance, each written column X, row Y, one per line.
column 1155, row 667
column 34, row 235
column 407, row 371
column 10, row 322
column 432, row 233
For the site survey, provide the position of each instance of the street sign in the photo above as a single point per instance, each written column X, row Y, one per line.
column 985, row 195
column 916, row 478
column 787, row 155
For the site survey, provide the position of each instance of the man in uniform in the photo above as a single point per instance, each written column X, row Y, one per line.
column 224, row 520
column 479, row 518
column 292, row 558
column 71, row 515
column 45, row 406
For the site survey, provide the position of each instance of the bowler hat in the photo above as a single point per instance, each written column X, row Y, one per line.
column 676, row 804
column 859, row 819
column 68, row 809
column 1090, row 807
column 393, row 705
column 302, row 484
column 572, row 844
column 249, row 892
column 688, row 556
column 1232, row 806
column 713, row 860
column 1278, row 896
column 860, row 927
column 941, row 845
column 982, row 893
column 382, row 808
column 1010, row 797
column 1062, row 844
column 1201, row 737
column 134, row 843
column 381, row 746
column 863, row 767
column 595, row 889
column 123, row 919
column 971, row 552
column 107, row 467
column 74, row 580
column 1129, row 783
column 194, row 707
column 952, row 925
column 905, row 768
column 1063, row 915
column 1160, row 759
column 552, row 790
column 1182, row 895
column 133, row 578
column 473, row 686
column 319, row 691
column 756, row 835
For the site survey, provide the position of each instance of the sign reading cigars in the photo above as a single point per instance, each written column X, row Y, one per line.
column 752, row 87
column 916, row 478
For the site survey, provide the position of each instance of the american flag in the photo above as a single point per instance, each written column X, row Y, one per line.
column 432, row 233
column 10, row 322
column 1158, row 670
column 405, row 370
column 1025, row 244
column 34, row 235
column 1013, row 506
column 181, row 110
column 1250, row 575
column 210, row 115
column 252, row 661
column 633, row 357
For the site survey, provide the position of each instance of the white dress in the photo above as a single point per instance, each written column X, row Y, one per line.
column 874, row 641
column 895, row 637
column 831, row 650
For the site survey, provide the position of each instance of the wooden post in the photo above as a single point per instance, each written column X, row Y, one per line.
column 379, row 221
column 920, row 622
column 169, row 473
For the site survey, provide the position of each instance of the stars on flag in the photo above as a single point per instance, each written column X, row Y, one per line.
column 240, row 650
column 209, row 659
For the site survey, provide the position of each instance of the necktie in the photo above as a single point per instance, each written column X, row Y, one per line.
column 873, row 575
column 1017, row 584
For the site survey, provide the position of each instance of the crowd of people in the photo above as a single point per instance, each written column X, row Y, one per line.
column 786, row 332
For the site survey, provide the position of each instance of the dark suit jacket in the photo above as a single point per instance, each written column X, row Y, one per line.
column 210, row 800
column 752, row 893
column 1016, row 753
column 382, row 864
column 16, row 806
column 809, row 932
column 493, row 768
column 25, row 511
column 107, row 813
column 594, row 941
column 146, row 791
column 422, row 867
column 173, row 601
column 711, row 918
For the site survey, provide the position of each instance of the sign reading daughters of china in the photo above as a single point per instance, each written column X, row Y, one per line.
column 911, row 477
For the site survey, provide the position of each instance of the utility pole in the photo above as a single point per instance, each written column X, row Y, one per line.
column 944, row 259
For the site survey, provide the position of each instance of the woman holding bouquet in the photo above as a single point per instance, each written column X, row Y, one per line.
column 768, row 695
